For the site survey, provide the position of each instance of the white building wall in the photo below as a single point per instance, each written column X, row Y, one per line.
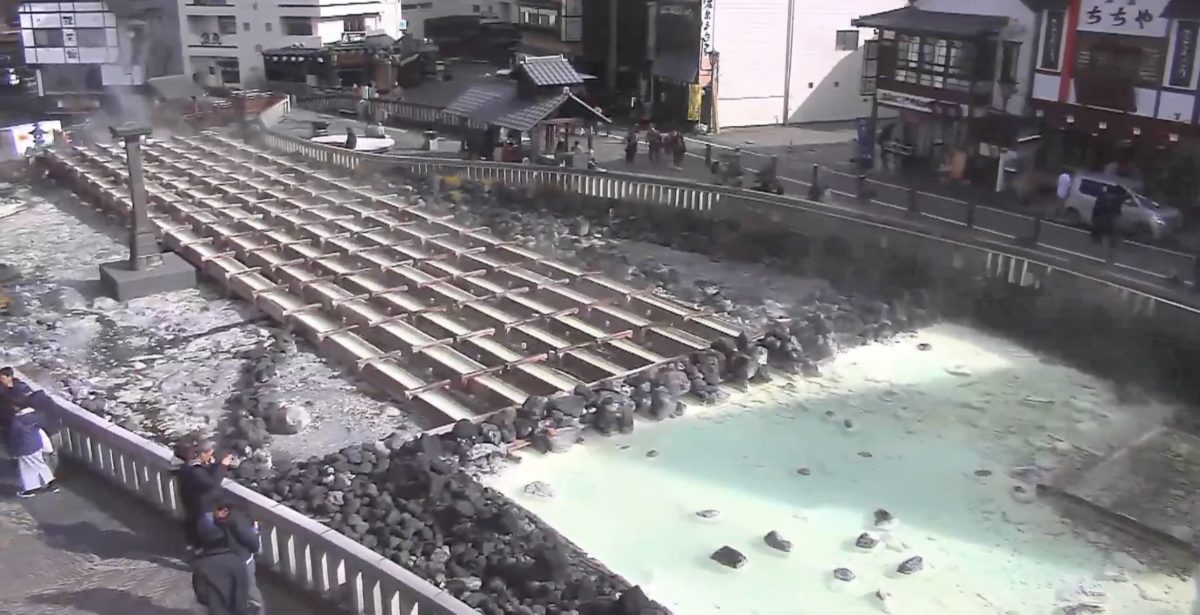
column 752, row 40
column 260, row 26
column 85, row 33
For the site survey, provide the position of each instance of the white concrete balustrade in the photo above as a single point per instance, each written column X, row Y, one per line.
column 305, row 553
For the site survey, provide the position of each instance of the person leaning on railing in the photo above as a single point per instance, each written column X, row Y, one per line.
column 199, row 483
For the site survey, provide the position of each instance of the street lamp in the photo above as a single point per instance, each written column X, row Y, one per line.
column 147, row 271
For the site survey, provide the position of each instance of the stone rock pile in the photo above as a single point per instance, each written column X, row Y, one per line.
column 414, row 504
column 254, row 416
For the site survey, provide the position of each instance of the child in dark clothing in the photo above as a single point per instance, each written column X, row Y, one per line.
column 199, row 484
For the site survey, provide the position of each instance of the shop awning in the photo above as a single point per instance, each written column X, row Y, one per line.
column 678, row 67
column 911, row 19
column 499, row 104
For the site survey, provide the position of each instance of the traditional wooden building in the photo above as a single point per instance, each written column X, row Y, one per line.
column 540, row 101
column 957, row 83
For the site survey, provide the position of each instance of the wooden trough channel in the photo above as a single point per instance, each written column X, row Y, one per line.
column 449, row 319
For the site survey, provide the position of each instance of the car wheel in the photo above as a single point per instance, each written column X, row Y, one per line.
column 1072, row 217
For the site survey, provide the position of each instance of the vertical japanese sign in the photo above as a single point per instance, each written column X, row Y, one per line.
column 1183, row 55
column 1126, row 17
column 870, row 68
column 707, row 16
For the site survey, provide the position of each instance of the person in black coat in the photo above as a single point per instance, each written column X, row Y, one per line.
column 16, row 395
column 219, row 575
column 199, row 483
column 242, row 537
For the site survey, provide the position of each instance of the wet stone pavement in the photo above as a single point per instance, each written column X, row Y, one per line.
column 91, row 550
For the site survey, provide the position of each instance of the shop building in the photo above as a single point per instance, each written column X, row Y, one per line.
column 1117, row 83
column 958, row 84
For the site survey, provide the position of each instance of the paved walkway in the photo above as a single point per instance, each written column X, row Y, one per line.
column 92, row 550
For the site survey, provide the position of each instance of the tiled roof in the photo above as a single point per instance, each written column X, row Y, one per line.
column 914, row 20
column 550, row 71
column 499, row 104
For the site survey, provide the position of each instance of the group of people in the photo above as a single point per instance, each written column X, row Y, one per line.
column 222, row 539
column 658, row 143
column 27, row 419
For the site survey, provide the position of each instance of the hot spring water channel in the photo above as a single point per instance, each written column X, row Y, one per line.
column 947, row 429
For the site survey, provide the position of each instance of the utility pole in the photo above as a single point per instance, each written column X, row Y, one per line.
column 787, row 62
column 614, row 17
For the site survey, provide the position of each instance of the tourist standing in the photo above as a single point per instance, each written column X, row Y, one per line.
column 242, row 537
column 199, row 483
column 678, row 149
column 631, row 145
column 28, row 442
column 654, row 143
column 1063, row 189
column 219, row 575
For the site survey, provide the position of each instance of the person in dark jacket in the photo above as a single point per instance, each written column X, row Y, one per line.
column 199, row 483
column 27, row 443
column 242, row 537
column 1106, row 212
column 14, row 395
column 219, row 575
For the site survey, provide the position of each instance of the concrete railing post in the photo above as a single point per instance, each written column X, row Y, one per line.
column 970, row 214
column 1196, row 274
column 708, row 155
column 1036, row 235
column 814, row 189
column 914, row 206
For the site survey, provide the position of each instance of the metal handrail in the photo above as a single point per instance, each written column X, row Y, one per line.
column 1162, row 270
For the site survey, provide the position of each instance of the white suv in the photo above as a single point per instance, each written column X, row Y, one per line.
column 1140, row 217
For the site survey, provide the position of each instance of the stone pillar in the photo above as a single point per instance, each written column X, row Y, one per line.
column 143, row 247
column 147, row 270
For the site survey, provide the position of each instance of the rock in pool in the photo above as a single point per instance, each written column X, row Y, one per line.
column 539, row 489
column 885, row 519
column 803, row 471
column 911, row 565
column 843, row 574
column 728, row 556
column 924, row 346
column 1023, row 494
column 866, row 541
column 652, row 453
column 708, row 513
column 777, row 542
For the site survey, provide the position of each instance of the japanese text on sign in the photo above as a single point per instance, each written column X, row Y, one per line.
column 706, row 26
column 1128, row 17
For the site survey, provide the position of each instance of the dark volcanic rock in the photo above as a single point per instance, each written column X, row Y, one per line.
column 866, row 541
column 911, row 565
column 728, row 556
column 777, row 542
column 884, row 519
column 843, row 574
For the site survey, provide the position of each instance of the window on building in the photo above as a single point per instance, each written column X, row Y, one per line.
column 1183, row 54
column 1010, row 61
column 354, row 23
column 417, row 6
column 245, row 26
column 230, row 71
column 227, row 25
column 267, row 26
column 539, row 17
column 90, row 37
column 297, row 26
column 846, row 40
column 1126, row 61
column 1052, row 39
column 47, row 37
column 933, row 62
column 475, row 8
